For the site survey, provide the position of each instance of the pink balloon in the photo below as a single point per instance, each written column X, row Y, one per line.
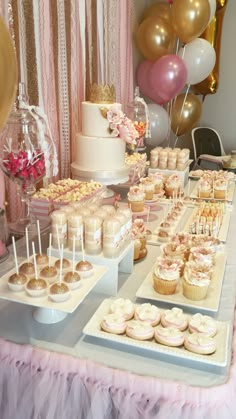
column 168, row 76
column 143, row 81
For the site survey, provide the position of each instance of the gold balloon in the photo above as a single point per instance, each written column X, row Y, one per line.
column 190, row 18
column 186, row 112
column 213, row 34
column 161, row 9
column 155, row 38
column 8, row 73
column 220, row 4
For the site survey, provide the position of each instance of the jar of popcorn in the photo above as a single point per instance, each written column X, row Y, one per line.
column 163, row 158
column 122, row 220
column 59, row 228
column 126, row 211
column 111, row 237
column 154, row 158
column 93, row 234
column 75, row 230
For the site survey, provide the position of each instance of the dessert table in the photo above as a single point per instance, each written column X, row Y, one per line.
column 54, row 371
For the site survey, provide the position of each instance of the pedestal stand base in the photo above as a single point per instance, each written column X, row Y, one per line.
column 48, row 315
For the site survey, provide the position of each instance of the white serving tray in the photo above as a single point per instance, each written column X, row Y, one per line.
column 153, row 238
column 229, row 197
column 209, row 304
column 223, row 232
column 219, row 358
column 77, row 296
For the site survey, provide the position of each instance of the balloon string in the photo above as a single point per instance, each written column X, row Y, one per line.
column 172, row 102
column 181, row 112
column 169, row 127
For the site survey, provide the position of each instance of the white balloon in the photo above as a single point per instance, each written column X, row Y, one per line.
column 212, row 4
column 199, row 57
column 159, row 124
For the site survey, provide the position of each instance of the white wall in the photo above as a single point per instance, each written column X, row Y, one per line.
column 219, row 110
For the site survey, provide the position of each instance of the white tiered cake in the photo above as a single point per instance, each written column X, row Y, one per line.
column 100, row 147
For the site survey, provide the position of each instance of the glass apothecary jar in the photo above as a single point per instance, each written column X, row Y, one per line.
column 3, row 236
column 137, row 112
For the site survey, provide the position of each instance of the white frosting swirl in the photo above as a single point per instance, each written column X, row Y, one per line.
column 168, row 269
column 136, row 194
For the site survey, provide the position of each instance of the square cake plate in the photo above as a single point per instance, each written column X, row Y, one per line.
column 209, row 304
column 49, row 311
column 217, row 359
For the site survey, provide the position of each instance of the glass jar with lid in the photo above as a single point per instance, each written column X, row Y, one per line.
column 137, row 112
column 3, row 235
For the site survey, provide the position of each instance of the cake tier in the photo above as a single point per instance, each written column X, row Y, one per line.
column 93, row 121
column 92, row 153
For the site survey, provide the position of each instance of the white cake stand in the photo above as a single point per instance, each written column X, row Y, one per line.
column 106, row 177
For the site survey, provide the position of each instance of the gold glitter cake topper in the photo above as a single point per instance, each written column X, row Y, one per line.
column 102, row 93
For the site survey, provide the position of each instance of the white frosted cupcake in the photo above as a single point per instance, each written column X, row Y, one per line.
column 195, row 283
column 136, row 197
column 202, row 255
column 173, row 186
column 166, row 275
column 158, row 181
column 148, row 187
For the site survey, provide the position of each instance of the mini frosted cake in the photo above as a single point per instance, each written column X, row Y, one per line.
column 169, row 336
column 148, row 313
column 203, row 324
column 136, row 197
column 114, row 323
column 200, row 343
column 139, row 330
column 174, row 317
column 123, row 306
column 166, row 275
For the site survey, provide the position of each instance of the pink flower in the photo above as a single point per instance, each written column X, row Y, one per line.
column 115, row 115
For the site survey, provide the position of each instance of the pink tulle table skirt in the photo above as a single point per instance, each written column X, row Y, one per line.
column 36, row 383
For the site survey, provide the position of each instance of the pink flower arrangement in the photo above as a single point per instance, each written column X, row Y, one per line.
column 121, row 126
column 23, row 166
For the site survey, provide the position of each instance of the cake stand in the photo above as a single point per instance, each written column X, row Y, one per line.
column 106, row 177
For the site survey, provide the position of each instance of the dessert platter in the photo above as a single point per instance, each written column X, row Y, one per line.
column 127, row 331
column 203, row 221
column 211, row 192
column 208, row 304
column 44, row 301
column 169, row 224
